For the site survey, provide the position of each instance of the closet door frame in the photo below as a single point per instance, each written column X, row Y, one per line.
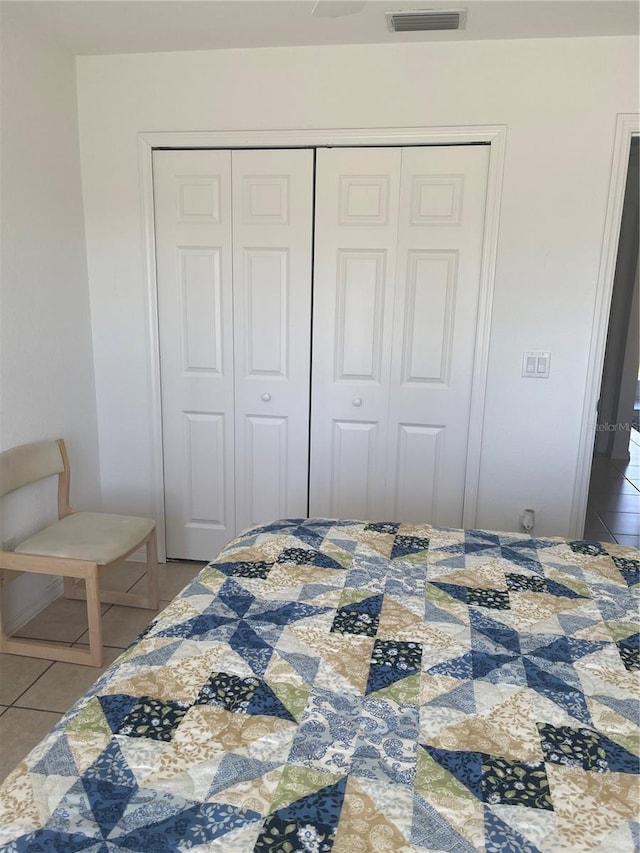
column 492, row 135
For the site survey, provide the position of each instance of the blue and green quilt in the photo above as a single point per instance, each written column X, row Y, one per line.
column 359, row 687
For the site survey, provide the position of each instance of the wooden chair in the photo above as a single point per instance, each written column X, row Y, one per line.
column 77, row 548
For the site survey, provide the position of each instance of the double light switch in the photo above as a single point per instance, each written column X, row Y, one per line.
column 535, row 364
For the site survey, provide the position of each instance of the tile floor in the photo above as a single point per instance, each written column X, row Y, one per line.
column 34, row 693
column 613, row 511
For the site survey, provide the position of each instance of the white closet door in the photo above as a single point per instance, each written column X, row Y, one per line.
column 357, row 194
column 272, row 256
column 441, row 224
column 398, row 257
column 192, row 198
column 234, row 252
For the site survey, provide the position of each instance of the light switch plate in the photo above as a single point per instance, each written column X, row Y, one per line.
column 536, row 364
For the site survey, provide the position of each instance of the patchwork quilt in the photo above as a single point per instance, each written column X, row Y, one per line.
column 359, row 687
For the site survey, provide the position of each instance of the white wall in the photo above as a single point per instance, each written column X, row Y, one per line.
column 559, row 99
column 47, row 385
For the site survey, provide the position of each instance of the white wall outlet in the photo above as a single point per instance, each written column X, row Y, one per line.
column 536, row 364
column 528, row 520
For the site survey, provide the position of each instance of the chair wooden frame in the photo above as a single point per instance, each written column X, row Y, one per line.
column 74, row 571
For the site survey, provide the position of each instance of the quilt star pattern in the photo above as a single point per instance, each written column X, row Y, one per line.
column 354, row 687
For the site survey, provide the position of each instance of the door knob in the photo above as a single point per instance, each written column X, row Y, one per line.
column 357, row 401
column 266, row 397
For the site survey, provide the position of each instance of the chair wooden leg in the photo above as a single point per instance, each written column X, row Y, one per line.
column 4, row 637
column 59, row 651
column 153, row 580
column 94, row 615
column 46, row 650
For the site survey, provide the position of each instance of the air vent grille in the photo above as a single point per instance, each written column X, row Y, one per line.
column 426, row 20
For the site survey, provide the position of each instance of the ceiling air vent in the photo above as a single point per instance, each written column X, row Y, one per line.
column 426, row 20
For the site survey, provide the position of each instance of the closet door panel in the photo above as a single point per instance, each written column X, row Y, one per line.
column 272, row 257
column 357, row 194
column 265, row 451
column 359, row 315
column 413, row 483
column 266, row 297
column 440, row 232
column 205, row 469
column 192, row 197
column 354, row 457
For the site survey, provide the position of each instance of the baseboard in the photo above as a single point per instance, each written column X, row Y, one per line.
column 21, row 615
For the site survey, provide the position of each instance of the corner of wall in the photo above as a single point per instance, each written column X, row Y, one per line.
column 47, row 382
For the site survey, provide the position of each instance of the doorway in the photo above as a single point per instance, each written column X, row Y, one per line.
column 613, row 510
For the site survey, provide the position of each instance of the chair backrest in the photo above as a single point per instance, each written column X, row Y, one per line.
column 29, row 463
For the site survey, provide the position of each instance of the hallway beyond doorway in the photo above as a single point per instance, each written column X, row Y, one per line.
column 613, row 510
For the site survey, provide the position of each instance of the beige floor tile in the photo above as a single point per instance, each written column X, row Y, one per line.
column 17, row 673
column 615, row 502
column 623, row 487
column 63, row 620
column 594, row 525
column 601, row 537
column 173, row 578
column 3, row 708
column 119, row 578
column 627, row 523
column 629, row 541
column 629, row 469
column 605, row 479
column 123, row 576
column 20, row 731
column 63, row 684
column 121, row 625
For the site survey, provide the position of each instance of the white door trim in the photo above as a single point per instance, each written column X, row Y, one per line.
column 494, row 135
column 627, row 126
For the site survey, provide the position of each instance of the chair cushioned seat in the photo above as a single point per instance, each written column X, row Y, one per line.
column 94, row 536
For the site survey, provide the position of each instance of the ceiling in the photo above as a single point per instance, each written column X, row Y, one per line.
column 88, row 27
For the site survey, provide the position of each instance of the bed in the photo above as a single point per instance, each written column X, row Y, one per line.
column 358, row 687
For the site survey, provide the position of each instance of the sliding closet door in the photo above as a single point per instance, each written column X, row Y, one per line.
column 272, row 255
column 192, row 197
column 234, row 245
column 396, row 283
